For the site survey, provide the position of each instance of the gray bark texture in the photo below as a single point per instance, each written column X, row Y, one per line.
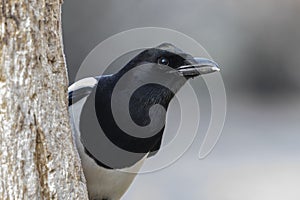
column 38, row 159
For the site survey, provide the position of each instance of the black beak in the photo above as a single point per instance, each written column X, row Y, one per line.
column 200, row 66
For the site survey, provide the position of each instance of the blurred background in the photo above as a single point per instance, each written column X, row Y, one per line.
column 257, row 45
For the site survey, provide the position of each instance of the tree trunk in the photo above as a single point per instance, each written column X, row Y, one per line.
column 38, row 159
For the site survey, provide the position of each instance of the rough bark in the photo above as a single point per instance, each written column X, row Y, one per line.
column 38, row 159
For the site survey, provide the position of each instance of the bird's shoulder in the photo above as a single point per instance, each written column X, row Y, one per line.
column 81, row 89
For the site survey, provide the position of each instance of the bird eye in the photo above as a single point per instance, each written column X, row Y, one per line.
column 163, row 61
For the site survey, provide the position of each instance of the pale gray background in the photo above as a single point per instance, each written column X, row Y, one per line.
column 257, row 44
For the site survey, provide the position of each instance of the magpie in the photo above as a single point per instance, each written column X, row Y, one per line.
column 118, row 120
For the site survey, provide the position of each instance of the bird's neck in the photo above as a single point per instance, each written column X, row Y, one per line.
column 144, row 107
column 147, row 97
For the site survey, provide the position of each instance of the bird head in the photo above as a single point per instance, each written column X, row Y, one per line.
column 167, row 58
